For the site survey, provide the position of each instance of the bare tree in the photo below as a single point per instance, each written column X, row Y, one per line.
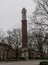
column 36, row 41
column 41, row 12
column 15, row 40
column 2, row 36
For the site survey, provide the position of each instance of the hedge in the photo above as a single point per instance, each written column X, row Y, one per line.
column 44, row 63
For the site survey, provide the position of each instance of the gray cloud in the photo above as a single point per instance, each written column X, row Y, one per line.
column 10, row 12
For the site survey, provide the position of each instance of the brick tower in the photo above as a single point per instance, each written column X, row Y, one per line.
column 24, row 32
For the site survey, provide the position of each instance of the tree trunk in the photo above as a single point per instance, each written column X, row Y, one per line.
column 7, row 52
column 17, row 54
column 30, row 54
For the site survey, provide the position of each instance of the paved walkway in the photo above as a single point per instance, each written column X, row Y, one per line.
column 32, row 62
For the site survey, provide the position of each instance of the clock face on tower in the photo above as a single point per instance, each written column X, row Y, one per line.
column 23, row 14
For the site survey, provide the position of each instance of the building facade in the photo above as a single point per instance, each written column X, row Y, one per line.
column 6, row 51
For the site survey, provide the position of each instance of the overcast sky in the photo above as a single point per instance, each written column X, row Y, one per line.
column 10, row 12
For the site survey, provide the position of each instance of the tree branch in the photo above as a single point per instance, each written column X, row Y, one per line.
column 44, row 7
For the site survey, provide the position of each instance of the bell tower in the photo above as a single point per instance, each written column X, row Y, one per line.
column 24, row 28
column 24, row 32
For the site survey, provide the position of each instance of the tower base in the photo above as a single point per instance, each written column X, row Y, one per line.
column 25, row 53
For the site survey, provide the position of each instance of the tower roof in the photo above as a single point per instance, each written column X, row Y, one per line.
column 24, row 10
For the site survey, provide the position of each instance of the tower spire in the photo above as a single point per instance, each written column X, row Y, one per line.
column 24, row 14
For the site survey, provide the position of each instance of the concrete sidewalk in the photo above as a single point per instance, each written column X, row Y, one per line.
column 31, row 62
